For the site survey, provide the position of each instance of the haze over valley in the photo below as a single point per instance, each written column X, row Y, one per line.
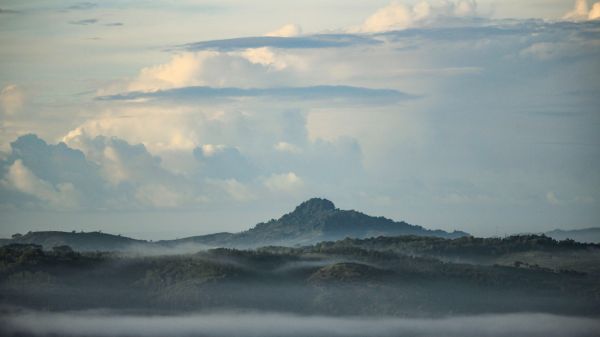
column 316, row 168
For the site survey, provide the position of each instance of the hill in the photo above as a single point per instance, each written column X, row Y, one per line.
column 82, row 241
column 589, row 235
column 313, row 221
column 324, row 279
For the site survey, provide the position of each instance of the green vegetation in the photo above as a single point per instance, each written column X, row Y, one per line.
column 347, row 277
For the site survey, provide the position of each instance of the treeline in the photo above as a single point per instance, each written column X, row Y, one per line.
column 328, row 278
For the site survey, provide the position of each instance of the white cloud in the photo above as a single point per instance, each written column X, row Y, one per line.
column 398, row 16
column 11, row 99
column 287, row 147
column 209, row 150
column 119, row 161
column 393, row 16
column 265, row 56
column 158, row 128
column 582, row 12
column 465, row 8
column 285, row 182
column 20, row 178
column 253, row 67
column 182, row 70
column 288, row 30
column 594, row 13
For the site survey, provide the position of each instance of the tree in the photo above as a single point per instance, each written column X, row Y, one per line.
column 63, row 250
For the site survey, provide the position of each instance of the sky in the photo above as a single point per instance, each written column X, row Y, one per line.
column 161, row 119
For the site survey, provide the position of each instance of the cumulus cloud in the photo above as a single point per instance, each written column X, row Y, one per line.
column 20, row 178
column 172, row 128
column 118, row 160
column 582, row 12
column 594, row 13
column 11, row 99
column 257, row 130
column 398, row 16
column 183, row 70
column 247, row 68
column 224, row 162
column 105, row 173
column 266, row 57
column 288, row 30
column 56, row 164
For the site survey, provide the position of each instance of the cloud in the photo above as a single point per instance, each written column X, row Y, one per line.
column 118, row 160
column 224, row 162
column 338, row 117
column 109, row 324
column 265, row 56
column 11, row 99
column 398, row 16
column 56, row 164
column 251, row 67
column 293, row 42
column 160, row 129
column 289, row 30
column 108, row 173
column 285, row 182
column 582, row 12
column 320, row 92
column 20, row 178
column 594, row 13
column 287, row 147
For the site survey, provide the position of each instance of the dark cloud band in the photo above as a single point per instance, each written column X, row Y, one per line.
column 310, row 92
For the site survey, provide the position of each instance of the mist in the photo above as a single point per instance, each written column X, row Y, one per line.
column 225, row 324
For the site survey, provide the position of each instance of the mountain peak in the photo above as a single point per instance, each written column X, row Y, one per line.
column 315, row 205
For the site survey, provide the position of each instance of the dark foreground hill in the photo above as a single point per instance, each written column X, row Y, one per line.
column 312, row 221
column 327, row 279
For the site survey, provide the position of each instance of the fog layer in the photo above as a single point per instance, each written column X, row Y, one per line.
column 276, row 324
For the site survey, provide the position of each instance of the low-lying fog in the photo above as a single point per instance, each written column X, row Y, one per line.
column 106, row 323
